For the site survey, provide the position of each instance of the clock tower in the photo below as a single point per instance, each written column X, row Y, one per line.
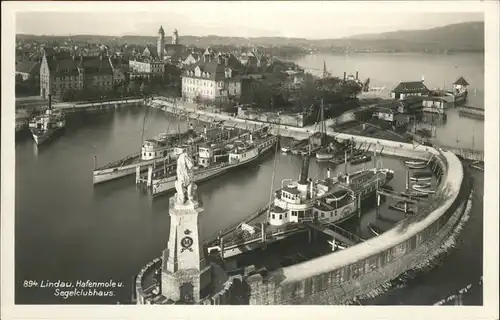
column 185, row 272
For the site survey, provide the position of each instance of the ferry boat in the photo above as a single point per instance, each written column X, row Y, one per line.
column 214, row 160
column 46, row 125
column 152, row 151
column 158, row 151
column 300, row 203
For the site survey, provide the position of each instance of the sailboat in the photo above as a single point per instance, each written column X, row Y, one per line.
column 326, row 151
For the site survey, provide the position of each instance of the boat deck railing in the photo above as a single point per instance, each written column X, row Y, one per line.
column 233, row 227
column 120, row 162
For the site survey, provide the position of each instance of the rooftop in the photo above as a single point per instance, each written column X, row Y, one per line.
column 410, row 87
column 28, row 67
column 461, row 81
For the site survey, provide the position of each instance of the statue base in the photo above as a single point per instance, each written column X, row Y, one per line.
column 186, row 285
column 185, row 272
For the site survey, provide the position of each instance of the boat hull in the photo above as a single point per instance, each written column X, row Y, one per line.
column 416, row 179
column 416, row 166
column 46, row 136
column 321, row 156
column 119, row 173
column 423, row 190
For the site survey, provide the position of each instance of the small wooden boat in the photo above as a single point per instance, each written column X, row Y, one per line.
column 377, row 227
column 423, row 185
column 361, row 159
column 423, row 190
column 376, row 231
column 415, row 194
column 415, row 163
column 412, row 166
column 400, row 206
column 421, row 176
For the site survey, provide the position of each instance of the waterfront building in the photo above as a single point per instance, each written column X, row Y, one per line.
column 60, row 74
column 437, row 104
column 253, row 60
column 460, row 85
column 413, row 88
column 386, row 112
column 213, row 78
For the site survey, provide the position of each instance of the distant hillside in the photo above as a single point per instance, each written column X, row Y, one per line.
column 461, row 35
column 467, row 36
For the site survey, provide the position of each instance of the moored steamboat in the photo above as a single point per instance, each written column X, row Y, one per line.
column 213, row 160
column 298, row 204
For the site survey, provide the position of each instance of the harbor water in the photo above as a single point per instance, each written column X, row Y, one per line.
column 68, row 229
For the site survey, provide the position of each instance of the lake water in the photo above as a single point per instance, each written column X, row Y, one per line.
column 67, row 229
column 439, row 71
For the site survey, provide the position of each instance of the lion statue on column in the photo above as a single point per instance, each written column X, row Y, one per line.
column 185, row 187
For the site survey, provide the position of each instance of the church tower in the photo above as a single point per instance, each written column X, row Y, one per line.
column 185, row 272
column 160, row 46
column 175, row 37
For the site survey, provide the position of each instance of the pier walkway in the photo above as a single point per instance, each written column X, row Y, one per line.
column 191, row 111
column 38, row 102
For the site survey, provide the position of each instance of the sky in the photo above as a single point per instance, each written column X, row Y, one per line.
column 311, row 20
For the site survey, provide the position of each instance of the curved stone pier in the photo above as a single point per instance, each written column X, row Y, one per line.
column 341, row 276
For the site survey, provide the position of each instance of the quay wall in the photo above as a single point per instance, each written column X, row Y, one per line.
column 341, row 276
column 95, row 105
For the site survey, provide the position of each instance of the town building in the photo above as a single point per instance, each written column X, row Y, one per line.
column 406, row 89
column 120, row 69
column 28, row 70
column 60, row 74
column 146, row 68
column 215, row 78
column 254, row 60
column 192, row 58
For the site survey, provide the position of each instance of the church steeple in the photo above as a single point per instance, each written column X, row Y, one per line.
column 175, row 37
column 160, row 46
column 325, row 72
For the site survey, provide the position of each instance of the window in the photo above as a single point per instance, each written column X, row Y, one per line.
column 273, row 216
